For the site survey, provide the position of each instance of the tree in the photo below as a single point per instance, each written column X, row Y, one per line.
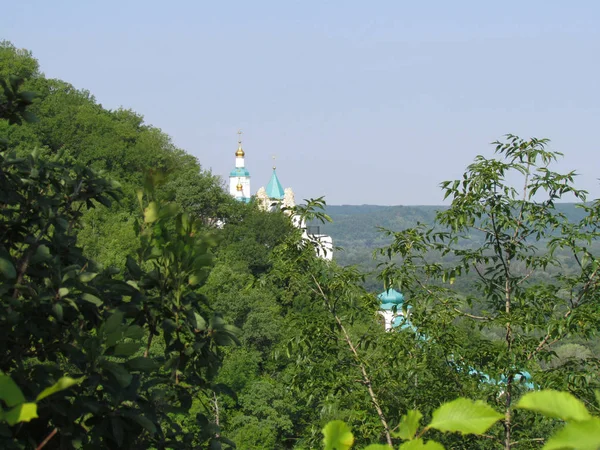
column 139, row 349
column 16, row 62
column 511, row 202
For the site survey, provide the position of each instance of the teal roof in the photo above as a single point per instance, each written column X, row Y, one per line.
column 274, row 189
column 391, row 296
column 403, row 323
column 239, row 172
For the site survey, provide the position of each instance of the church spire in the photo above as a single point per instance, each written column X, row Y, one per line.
column 240, row 152
column 239, row 178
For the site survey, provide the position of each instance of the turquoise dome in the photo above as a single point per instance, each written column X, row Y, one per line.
column 239, row 172
column 391, row 296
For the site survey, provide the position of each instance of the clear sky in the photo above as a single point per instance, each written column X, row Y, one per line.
column 362, row 101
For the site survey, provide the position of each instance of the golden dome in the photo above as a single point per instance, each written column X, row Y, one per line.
column 240, row 153
column 239, row 186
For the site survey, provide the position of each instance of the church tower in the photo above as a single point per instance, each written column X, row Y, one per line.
column 239, row 178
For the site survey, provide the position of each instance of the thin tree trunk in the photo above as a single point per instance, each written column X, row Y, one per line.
column 365, row 376
column 367, row 382
column 509, row 378
column 216, row 403
column 45, row 441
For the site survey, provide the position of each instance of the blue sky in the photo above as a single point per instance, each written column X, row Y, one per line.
column 362, row 101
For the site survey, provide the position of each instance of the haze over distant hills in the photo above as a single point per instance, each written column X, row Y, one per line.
column 356, row 228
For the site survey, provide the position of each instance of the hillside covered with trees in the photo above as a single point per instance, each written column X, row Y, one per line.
column 131, row 321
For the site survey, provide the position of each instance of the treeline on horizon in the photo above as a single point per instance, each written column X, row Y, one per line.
column 131, row 321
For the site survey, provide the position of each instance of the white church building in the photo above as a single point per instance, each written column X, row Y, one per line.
column 273, row 197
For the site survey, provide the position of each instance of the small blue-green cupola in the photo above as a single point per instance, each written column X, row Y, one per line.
column 390, row 299
column 274, row 188
column 390, row 307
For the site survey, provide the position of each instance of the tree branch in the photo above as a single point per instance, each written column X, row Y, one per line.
column 365, row 376
column 45, row 441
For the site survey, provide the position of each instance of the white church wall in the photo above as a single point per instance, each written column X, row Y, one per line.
column 245, row 182
column 323, row 244
column 246, row 187
column 389, row 316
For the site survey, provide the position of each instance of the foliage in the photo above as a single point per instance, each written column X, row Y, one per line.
column 20, row 409
column 62, row 313
column 581, row 430
column 522, row 229
column 461, row 415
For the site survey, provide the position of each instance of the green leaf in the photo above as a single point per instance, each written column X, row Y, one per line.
column 464, row 416
column 141, row 363
column 142, row 421
column 337, row 436
column 560, row 405
column 112, row 339
column 419, row 444
column 134, row 332
column 6, row 266
column 21, row 413
column 409, row 424
column 200, row 322
column 114, row 322
column 126, row 348
column 117, row 429
column 42, row 254
column 10, row 392
column 378, row 447
column 133, row 267
column 57, row 309
column 151, row 213
column 119, row 372
column 92, row 299
column 86, row 277
column 584, row 435
column 60, row 385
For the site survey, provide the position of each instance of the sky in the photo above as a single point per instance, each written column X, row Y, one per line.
column 364, row 102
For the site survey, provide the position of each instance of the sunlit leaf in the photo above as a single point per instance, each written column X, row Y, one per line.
column 24, row 412
column 337, row 436
column 560, row 405
column 60, row 385
column 151, row 213
column 584, row 435
column 409, row 424
column 464, row 416
column 419, row 444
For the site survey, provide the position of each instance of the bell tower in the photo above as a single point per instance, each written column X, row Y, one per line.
column 239, row 177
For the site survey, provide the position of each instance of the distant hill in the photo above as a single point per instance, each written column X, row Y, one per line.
column 355, row 227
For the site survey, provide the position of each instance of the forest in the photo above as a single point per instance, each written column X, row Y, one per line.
column 130, row 320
